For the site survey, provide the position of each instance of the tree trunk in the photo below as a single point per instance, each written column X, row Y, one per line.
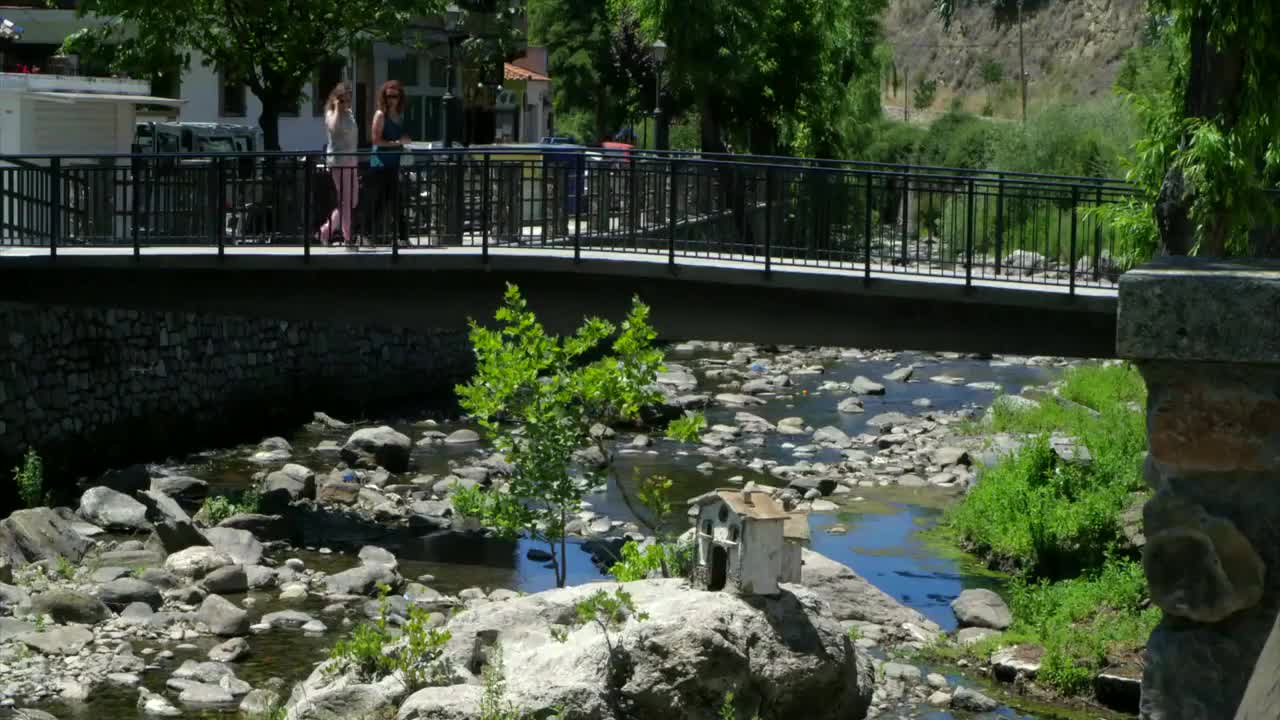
column 602, row 102
column 1215, row 80
column 269, row 121
column 562, row 568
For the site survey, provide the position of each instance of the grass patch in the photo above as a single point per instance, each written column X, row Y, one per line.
column 220, row 507
column 1078, row 590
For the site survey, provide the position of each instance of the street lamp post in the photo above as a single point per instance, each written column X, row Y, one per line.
column 452, row 16
column 659, row 51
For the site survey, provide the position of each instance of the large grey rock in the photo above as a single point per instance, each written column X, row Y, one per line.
column 206, row 672
column 850, row 405
column 380, row 446
column 980, row 607
column 235, row 649
column 454, row 702
column 902, row 374
column 888, row 420
column 463, row 436
column 155, row 705
column 196, row 562
column 363, row 580
column 59, row 640
column 12, row 597
column 113, row 510
column 286, row 619
column 226, row 580
column 33, row 714
column 223, row 617
column 342, row 701
column 239, row 545
column 43, row 534
column 679, row 661
column 69, row 606
column 291, row 483
column 11, row 628
column 374, row 555
column 969, row 699
column 121, row 592
column 174, row 529
column 187, row 491
column 830, row 435
column 866, row 386
column 337, row 489
column 853, row 598
column 200, row 694
column 260, row 703
column 263, row 527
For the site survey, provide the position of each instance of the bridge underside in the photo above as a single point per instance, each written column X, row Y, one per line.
column 709, row 301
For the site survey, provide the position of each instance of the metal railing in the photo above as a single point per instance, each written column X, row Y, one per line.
column 864, row 218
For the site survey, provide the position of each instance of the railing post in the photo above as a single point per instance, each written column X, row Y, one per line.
column 1071, row 272
column 866, row 233
column 768, row 221
column 906, row 211
column 484, row 211
column 999, row 222
column 671, row 220
column 968, row 237
column 579, row 193
column 633, row 204
column 218, row 201
column 397, row 210
column 55, row 205
column 308, row 165
column 135, row 170
column 1097, row 242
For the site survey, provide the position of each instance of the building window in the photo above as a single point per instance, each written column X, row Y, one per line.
column 733, row 533
column 439, row 71
column 328, row 76
column 403, row 69
column 232, row 100
column 724, row 513
column 706, row 528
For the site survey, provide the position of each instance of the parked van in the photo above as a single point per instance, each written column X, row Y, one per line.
column 193, row 137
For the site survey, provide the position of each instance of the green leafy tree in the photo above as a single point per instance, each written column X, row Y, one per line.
column 272, row 46
column 29, row 477
column 925, row 91
column 539, row 397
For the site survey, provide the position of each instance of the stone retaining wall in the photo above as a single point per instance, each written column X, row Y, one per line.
column 95, row 387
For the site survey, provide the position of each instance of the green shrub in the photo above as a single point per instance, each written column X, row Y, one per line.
column 895, row 143
column 1080, row 139
column 667, row 559
column 991, row 72
column 688, row 427
column 375, row 652
column 220, row 507
column 924, row 92
column 29, row 477
column 686, row 133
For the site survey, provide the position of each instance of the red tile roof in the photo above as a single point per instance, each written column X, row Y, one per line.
column 515, row 72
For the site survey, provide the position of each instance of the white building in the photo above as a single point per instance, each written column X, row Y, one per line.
column 747, row 542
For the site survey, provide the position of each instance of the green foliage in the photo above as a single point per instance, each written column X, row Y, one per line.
column 896, row 143
column 220, row 507
column 29, row 477
column 1089, row 139
column 1081, row 620
column 375, row 652
column 538, row 398
column 66, row 569
column 687, row 428
column 925, row 91
column 1051, row 519
column 608, row 612
column 668, row 559
column 729, row 710
column 991, row 72
column 273, row 47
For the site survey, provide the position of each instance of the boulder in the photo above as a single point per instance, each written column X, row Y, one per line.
column 338, row 701
column 948, row 456
column 42, row 534
column 201, row 694
column 174, row 530
column 263, row 527
column 338, row 488
column 187, row 491
column 273, row 449
column 378, row 447
column 980, row 607
column 1024, row 262
column 363, row 580
column 902, row 374
column 223, row 617
column 69, row 606
column 830, row 435
column 155, row 705
column 239, row 545
column 58, row 641
column 678, row 661
column 226, row 580
column 196, row 562
column 850, row 405
column 973, row 635
column 866, row 386
column 455, row 702
column 464, row 436
column 888, row 420
column 972, row 700
column 287, row 619
column 823, row 485
column 121, row 592
column 374, row 555
column 260, row 577
column 11, row 628
column 259, row 703
column 853, row 598
column 113, row 510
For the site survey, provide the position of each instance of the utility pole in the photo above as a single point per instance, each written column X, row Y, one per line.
column 906, row 95
column 1022, row 65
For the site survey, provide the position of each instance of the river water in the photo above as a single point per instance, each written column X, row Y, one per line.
column 882, row 544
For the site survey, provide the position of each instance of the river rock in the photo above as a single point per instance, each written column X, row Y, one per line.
column 830, row 435
column 104, row 575
column 973, row 635
column 286, row 619
column 223, row 617
column 374, row 555
column 203, row 694
column 679, row 660
column 378, row 447
column 865, row 386
column 979, row 607
column 948, row 456
column 11, row 628
column 263, row 527
column 206, row 672
column 68, row 640
column 940, row 699
column 338, row 488
column 137, row 614
column 454, row 702
column 336, row 701
column 196, row 562
column 226, row 580
column 1012, row 404
column 33, row 714
column 185, row 490
column 273, row 449
column 40, row 534
column 972, row 700
column 1010, row 663
column 888, row 420
column 291, row 483
column 174, row 529
column 155, row 705
column 738, row 400
column 902, row 374
column 239, row 545
column 120, row 592
column 113, row 510
column 850, row 405
column 69, row 606
column 259, row 703
column 853, row 598
column 363, row 580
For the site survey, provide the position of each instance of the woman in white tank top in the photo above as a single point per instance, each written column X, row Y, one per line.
column 342, row 162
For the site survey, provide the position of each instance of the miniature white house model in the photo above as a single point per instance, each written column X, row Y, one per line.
column 747, row 542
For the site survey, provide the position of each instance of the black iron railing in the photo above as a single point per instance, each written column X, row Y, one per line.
column 863, row 218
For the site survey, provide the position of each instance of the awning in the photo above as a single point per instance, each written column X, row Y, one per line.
column 67, row 98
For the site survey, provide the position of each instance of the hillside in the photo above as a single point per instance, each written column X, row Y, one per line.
column 1073, row 50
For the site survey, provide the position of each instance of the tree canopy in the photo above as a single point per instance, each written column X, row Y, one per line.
column 272, row 46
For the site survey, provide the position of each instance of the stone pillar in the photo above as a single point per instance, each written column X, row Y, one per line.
column 1206, row 336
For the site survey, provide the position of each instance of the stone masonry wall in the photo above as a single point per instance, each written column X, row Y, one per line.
column 94, row 387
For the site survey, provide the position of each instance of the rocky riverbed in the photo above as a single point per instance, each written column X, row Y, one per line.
column 136, row 603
